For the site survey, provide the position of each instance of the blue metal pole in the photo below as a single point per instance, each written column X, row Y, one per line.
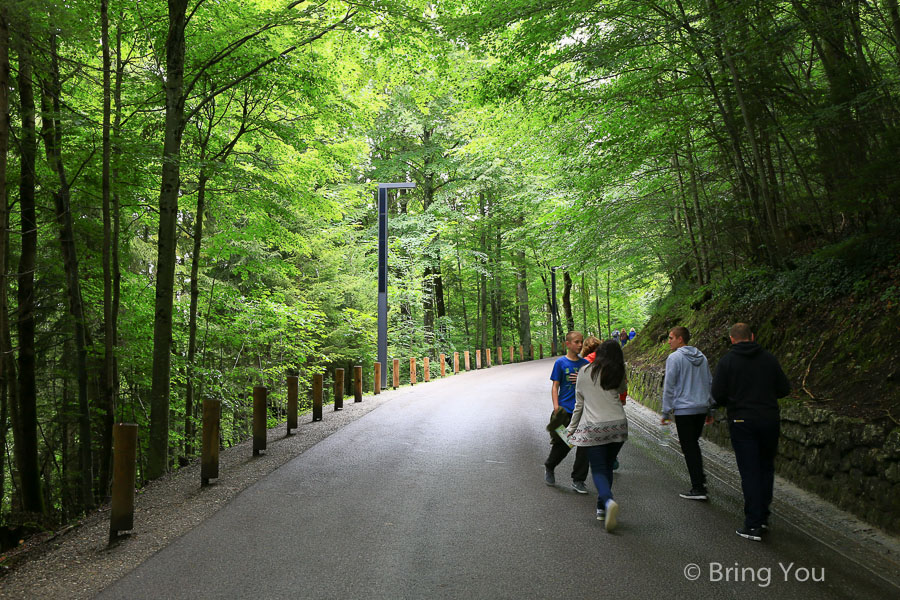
column 383, row 272
column 382, row 283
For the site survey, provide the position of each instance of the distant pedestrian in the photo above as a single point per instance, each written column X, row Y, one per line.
column 562, row 394
column 615, row 334
column 631, row 334
column 686, row 396
column 623, row 337
column 599, row 424
column 748, row 382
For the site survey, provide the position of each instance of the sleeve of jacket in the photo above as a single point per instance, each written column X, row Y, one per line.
column 719, row 386
column 579, row 408
column 669, row 381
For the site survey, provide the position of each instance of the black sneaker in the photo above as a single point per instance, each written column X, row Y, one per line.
column 695, row 495
column 549, row 477
column 764, row 527
column 579, row 487
column 750, row 533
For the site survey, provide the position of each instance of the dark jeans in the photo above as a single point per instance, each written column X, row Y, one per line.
column 602, row 459
column 755, row 444
column 559, row 450
column 690, row 427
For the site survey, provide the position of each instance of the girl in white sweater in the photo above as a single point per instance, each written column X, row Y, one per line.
column 599, row 423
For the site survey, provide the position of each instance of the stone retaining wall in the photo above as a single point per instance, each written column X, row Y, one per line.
column 851, row 463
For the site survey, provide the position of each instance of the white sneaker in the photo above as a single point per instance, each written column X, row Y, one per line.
column 612, row 512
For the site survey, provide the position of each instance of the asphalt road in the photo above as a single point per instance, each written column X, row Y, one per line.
column 440, row 494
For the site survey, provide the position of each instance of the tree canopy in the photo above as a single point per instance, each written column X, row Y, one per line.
column 187, row 190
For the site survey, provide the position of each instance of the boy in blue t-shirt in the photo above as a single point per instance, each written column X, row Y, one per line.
column 562, row 393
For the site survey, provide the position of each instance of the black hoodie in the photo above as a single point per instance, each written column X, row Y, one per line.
column 748, row 382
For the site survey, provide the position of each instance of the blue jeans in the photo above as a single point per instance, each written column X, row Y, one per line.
column 755, row 444
column 601, row 459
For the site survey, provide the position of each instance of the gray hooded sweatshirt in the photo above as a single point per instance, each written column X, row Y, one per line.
column 687, row 383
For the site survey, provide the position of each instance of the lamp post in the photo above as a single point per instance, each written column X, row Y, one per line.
column 382, row 272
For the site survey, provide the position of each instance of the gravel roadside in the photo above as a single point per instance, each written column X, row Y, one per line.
column 78, row 564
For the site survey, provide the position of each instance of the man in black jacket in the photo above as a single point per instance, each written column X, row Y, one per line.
column 748, row 382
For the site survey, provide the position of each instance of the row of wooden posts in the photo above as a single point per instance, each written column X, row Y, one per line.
column 125, row 434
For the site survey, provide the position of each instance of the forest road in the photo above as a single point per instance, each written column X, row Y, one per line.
column 440, row 494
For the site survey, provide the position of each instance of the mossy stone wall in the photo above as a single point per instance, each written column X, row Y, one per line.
column 851, row 463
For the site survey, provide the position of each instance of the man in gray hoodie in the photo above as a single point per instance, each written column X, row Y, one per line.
column 686, row 393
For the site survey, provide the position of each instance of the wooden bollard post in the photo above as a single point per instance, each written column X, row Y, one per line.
column 396, row 374
column 487, row 351
column 318, row 384
column 477, row 359
column 468, row 364
column 259, row 418
column 512, row 358
column 339, row 389
column 499, row 355
column 357, row 383
column 521, row 354
column 412, row 371
column 530, row 351
column 293, row 391
column 455, row 363
column 443, row 365
column 541, row 350
column 121, row 508
column 376, row 385
column 426, row 369
column 209, row 454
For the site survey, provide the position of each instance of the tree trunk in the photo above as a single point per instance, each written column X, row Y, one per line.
column 698, row 213
column 894, row 13
column 567, row 301
column 522, row 302
column 428, row 275
column 584, row 302
column 687, row 218
column 25, row 414
column 608, row 312
column 192, row 314
column 116, row 270
column 462, row 294
column 7, row 376
column 109, row 363
column 496, row 292
column 52, row 135
column 157, row 459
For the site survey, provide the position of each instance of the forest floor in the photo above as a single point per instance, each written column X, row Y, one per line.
column 78, row 562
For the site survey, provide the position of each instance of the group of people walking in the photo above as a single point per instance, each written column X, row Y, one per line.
column 588, row 400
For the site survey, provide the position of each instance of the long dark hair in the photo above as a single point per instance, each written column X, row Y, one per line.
column 609, row 365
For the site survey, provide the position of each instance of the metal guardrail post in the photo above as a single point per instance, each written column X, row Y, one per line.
column 209, row 461
column 339, row 389
column 260, row 392
column 293, row 393
column 317, row 396
column 121, row 510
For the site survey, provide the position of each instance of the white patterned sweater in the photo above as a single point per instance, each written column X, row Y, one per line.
column 599, row 417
